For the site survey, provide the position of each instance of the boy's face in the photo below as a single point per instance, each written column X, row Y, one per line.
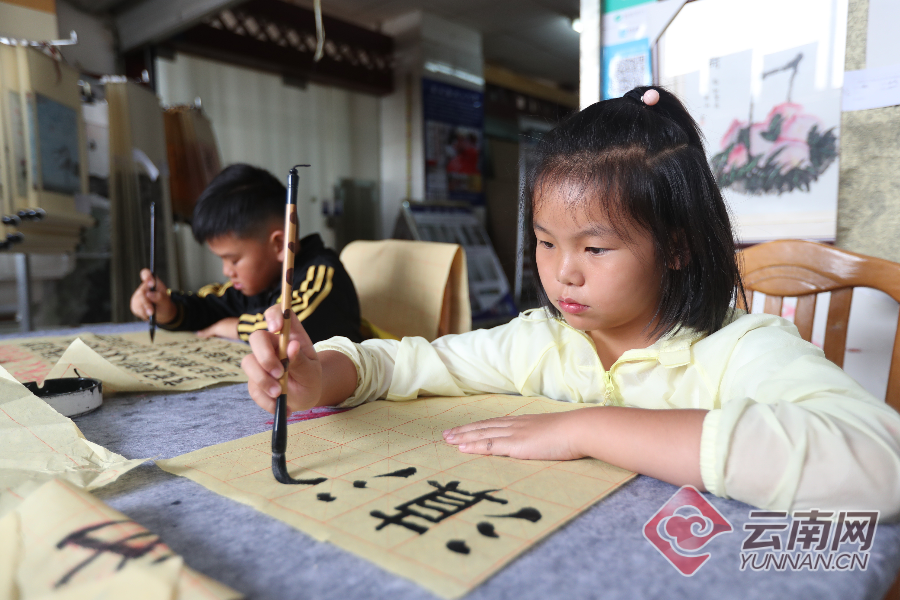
column 252, row 264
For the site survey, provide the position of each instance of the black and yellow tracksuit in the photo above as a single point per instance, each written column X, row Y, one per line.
column 323, row 298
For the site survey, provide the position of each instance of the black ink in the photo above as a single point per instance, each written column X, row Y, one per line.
column 487, row 530
column 178, row 381
column 326, row 497
column 445, row 501
column 121, row 547
column 177, row 502
column 401, row 473
column 315, row 481
column 528, row 513
column 458, row 546
column 359, row 484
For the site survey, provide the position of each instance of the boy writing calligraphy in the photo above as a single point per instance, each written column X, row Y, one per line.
column 240, row 218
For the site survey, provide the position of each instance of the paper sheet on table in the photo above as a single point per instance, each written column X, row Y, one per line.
column 61, row 543
column 37, row 444
column 382, row 483
column 178, row 361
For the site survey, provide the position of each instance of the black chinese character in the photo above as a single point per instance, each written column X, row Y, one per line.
column 122, row 547
column 445, row 501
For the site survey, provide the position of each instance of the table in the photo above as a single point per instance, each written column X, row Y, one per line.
column 602, row 553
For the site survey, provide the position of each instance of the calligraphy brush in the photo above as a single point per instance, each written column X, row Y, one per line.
column 279, row 426
column 153, row 265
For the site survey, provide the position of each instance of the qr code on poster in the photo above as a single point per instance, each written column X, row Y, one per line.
column 627, row 72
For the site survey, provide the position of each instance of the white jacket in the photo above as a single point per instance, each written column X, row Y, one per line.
column 786, row 428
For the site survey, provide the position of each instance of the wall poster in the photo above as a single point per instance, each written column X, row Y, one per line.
column 60, row 159
column 627, row 59
column 454, row 132
column 768, row 98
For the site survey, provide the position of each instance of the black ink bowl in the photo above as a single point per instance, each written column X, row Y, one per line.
column 70, row 396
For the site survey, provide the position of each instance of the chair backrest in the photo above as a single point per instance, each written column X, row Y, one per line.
column 411, row 288
column 796, row 268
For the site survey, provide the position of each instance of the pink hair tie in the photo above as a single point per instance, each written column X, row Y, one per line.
column 650, row 97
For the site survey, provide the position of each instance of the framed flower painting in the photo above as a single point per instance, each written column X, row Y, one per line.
column 763, row 79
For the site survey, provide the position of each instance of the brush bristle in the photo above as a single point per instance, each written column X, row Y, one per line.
column 279, row 469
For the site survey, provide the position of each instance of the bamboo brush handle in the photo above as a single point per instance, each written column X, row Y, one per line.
column 287, row 283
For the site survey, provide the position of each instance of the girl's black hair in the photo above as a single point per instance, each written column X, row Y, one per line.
column 646, row 165
column 242, row 199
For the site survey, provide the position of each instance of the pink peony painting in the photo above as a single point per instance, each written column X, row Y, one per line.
column 787, row 151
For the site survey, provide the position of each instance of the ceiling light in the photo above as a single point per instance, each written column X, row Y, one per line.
column 576, row 25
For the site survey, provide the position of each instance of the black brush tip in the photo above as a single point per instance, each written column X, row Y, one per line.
column 279, row 469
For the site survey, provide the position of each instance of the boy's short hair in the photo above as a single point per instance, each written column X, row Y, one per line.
column 242, row 200
column 646, row 165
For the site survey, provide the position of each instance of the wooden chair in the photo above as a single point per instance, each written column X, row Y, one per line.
column 796, row 268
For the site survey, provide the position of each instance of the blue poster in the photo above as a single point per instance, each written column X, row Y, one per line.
column 60, row 160
column 626, row 66
column 454, row 131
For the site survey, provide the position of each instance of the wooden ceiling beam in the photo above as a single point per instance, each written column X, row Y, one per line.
column 280, row 37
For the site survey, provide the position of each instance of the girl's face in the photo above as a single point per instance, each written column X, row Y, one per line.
column 600, row 283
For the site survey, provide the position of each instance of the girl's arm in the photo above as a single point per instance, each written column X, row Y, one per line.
column 338, row 371
column 794, row 431
column 664, row 444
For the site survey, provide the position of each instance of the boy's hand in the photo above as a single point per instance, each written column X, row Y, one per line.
column 226, row 328
column 144, row 298
column 539, row 437
column 263, row 367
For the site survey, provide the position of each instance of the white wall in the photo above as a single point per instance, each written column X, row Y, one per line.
column 259, row 120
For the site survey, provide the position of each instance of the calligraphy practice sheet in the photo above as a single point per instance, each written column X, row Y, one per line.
column 379, row 481
column 61, row 542
column 128, row 362
column 37, row 444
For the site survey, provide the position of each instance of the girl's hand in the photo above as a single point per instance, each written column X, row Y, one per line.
column 264, row 369
column 226, row 328
column 538, row 437
column 660, row 443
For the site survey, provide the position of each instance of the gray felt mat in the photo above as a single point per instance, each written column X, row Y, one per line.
column 601, row 554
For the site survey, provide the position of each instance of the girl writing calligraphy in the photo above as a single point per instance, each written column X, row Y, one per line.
column 638, row 276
